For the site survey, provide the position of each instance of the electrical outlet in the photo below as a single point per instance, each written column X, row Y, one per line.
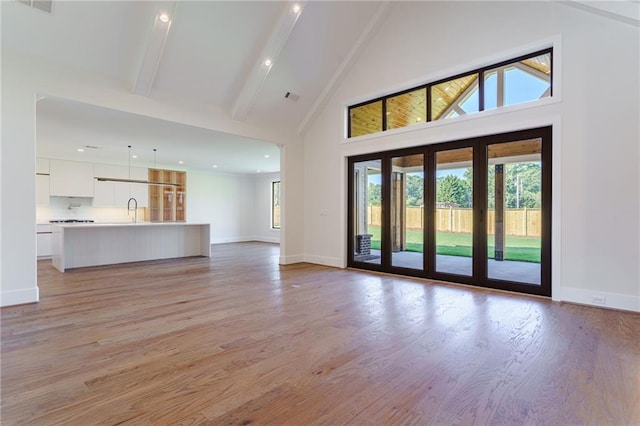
column 599, row 300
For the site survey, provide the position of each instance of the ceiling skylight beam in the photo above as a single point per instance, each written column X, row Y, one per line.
column 154, row 48
column 532, row 71
column 455, row 104
column 270, row 52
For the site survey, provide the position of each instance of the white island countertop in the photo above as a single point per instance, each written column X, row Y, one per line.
column 76, row 245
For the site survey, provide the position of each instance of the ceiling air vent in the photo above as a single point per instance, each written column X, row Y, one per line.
column 44, row 5
column 291, row 96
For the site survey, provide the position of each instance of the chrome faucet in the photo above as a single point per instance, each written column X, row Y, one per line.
column 135, row 209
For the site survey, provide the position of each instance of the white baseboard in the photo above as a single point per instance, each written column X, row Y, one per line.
column 19, row 297
column 288, row 260
column 245, row 240
column 336, row 262
column 267, row 240
column 601, row 299
column 232, row 240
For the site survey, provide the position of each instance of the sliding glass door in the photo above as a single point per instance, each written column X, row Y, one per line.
column 514, row 213
column 406, row 211
column 366, row 211
column 453, row 211
column 474, row 211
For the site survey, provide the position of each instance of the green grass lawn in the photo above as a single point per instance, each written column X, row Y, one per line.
column 524, row 249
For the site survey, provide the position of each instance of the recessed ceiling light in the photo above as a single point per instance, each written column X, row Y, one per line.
column 418, row 119
column 134, row 156
column 163, row 17
column 80, row 150
column 257, row 171
column 215, row 166
column 296, row 8
column 266, row 156
column 180, row 162
column 267, row 62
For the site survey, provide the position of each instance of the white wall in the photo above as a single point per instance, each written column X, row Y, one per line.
column 262, row 206
column 596, row 212
column 18, row 162
column 224, row 201
column 292, row 204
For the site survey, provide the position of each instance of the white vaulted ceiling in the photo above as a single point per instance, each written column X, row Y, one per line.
column 210, row 47
column 213, row 53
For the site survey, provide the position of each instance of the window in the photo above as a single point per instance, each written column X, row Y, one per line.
column 455, row 97
column 365, row 119
column 517, row 82
column 275, row 205
column 407, row 109
column 523, row 79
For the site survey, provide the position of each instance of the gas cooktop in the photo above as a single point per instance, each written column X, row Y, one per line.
column 72, row 221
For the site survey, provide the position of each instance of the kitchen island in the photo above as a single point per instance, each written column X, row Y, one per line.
column 78, row 245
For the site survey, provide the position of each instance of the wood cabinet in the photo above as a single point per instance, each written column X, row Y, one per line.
column 167, row 203
column 70, row 179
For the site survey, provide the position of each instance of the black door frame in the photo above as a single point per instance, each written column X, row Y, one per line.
column 480, row 163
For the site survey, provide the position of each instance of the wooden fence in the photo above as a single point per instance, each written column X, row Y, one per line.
column 520, row 222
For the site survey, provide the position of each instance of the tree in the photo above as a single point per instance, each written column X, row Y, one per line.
column 374, row 194
column 452, row 189
column 523, row 185
column 415, row 190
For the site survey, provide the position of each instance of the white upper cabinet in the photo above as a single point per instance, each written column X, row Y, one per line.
column 42, row 181
column 42, row 166
column 139, row 191
column 42, row 190
column 70, row 178
column 110, row 194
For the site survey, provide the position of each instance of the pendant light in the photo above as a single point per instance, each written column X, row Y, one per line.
column 129, row 180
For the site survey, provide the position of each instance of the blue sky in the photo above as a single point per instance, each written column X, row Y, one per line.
column 519, row 87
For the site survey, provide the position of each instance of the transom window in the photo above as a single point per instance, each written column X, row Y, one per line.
column 523, row 79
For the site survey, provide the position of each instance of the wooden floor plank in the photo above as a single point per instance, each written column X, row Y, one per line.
column 238, row 339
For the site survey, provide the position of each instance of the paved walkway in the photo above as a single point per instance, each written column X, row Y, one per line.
column 508, row 270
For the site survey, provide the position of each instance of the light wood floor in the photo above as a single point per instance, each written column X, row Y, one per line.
column 237, row 339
